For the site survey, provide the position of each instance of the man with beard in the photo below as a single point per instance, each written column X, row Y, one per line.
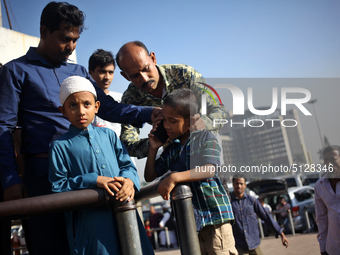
column 327, row 201
column 29, row 97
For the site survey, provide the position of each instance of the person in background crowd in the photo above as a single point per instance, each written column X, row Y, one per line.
column 327, row 201
column 148, row 230
column 155, row 218
column 245, row 227
column 168, row 221
column 283, row 216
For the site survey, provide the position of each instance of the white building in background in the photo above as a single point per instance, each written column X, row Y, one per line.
column 15, row 44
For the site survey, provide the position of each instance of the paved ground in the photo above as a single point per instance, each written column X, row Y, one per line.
column 299, row 244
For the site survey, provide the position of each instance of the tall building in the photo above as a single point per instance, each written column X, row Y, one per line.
column 252, row 140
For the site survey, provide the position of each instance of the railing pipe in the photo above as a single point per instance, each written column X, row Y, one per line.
column 305, row 209
column 126, row 215
column 291, row 222
column 185, row 220
column 260, row 227
column 54, row 203
column 75, row 200
column 148, row 191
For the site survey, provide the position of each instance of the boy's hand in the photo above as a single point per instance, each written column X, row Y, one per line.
column 108, row 184
column 154, row 141
column 127, row 191
column 166, row 186
column 158, row 118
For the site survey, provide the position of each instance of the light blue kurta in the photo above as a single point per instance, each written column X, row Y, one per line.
column 77, row 158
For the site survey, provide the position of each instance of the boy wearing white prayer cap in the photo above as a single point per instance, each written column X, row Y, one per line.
column 89, row 157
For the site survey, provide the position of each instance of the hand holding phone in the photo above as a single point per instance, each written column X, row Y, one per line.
column 161, row 133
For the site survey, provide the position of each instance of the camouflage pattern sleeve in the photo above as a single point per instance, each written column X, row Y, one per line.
column 175, row 76
column 214, row 110
column 130, row 137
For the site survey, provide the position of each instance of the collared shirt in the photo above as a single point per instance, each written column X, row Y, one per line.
column 175, row 76
column 99, row 122
column 210, row 200
column 29, row 97
column 76, row 159
column 246, row 228
column 327, row 209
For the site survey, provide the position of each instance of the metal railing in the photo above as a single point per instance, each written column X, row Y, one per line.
column 305, row 209
column 155, row 236
column 274, row 217
column 125, row 212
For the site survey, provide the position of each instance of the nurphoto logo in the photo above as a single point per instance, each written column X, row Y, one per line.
column 239, row 99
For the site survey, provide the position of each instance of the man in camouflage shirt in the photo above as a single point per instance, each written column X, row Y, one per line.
column 150, row 84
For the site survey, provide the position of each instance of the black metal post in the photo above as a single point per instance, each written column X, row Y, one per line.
column 126, row 215
column 185, row 220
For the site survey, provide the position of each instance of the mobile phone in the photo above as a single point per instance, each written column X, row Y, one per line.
column 161, row 133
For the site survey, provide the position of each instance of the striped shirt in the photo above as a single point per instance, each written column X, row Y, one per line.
column 210, row 200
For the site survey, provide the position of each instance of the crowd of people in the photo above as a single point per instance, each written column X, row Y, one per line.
column 155, row 223
column 70, row 140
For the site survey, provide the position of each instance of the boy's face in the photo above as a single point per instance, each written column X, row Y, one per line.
column 103, row 76
column 80, row 109
column 174, row 124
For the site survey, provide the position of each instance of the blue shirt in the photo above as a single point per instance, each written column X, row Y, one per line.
column 77, row 158
column 246, row 226
column 29, row 97
column 210, row 201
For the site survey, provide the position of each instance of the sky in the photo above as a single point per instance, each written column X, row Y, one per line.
column 220, row 39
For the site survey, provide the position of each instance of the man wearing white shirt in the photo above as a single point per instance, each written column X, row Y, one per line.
column 327, row 203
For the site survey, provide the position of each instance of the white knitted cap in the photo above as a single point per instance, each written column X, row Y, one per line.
column 75, row 84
